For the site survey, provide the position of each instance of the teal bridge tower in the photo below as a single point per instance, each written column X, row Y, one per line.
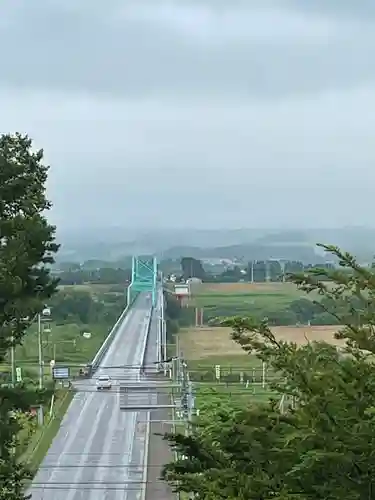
column 144, row 278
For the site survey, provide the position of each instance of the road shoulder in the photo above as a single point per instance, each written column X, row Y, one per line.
column 159, row 453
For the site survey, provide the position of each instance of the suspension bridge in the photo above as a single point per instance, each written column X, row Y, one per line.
column 102, row 447
column 143, row 279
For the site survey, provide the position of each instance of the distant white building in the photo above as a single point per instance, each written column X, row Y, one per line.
column 192, row 281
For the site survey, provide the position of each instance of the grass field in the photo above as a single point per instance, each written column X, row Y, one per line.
column 220, row 299
column 242, row 287
column 241, row 375
column 91, row 287
column 43, row 436
column 283, row 291
column 236, row 392
column 65, row 344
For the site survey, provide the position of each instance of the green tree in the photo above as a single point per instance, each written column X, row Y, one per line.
column 319, row 443
column 27, row 247
column 305, row 310
column 192, row 268
column 84, row 307
column 102, row 276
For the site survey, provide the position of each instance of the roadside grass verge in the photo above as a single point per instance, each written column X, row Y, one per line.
column 43, row 436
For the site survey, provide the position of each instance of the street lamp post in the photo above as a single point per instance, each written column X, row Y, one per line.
column 44, row 315
column 40, row 352
column 163, row 333
column 46, row 312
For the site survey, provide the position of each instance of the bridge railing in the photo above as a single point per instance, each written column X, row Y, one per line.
column 144, row 347
column 92, row 367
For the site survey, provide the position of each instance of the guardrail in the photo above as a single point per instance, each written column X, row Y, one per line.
column 107, row 342
column 146, row 337
column 148, row 423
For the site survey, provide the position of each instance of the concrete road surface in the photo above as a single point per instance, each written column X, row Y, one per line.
column 159, row 452
column 99, row 451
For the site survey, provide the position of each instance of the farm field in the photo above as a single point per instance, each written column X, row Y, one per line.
column 245, row 287
column 64, row 342
column 285, row 291
column 204, row 343
column 259, row 299
column 86, row 287
column 205, row 348
column 94, row 288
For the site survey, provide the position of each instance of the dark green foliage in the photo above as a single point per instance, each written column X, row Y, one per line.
column 27, row 246
column 319, row 444
column 192, row 268
column 81, row 306
column 100, row 276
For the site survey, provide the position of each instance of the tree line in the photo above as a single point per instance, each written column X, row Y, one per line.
column 257, row 271
column 84, row 307
column 99, row 276
column 301, row 311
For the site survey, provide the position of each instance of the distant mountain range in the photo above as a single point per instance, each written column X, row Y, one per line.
column 245, row 253
column 113, row 244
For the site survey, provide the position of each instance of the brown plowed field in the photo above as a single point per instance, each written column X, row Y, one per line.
column 203, row 342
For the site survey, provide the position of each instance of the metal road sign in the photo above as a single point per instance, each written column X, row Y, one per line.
column 60, row 372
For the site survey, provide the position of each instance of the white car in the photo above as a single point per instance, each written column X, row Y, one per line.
column 103, row 382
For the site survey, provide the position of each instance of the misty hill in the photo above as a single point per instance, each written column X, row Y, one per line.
column 244, row 253
column 115, row 243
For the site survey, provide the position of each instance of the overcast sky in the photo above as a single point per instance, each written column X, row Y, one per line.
column 205, row 113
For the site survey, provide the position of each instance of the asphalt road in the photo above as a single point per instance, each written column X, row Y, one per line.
column 159, row 452
column 99, row 451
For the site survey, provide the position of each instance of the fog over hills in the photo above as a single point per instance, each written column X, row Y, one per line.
column 113, row 243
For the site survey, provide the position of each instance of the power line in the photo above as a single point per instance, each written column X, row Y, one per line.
column 105, row 487
column 93, row 483
column 95, row 466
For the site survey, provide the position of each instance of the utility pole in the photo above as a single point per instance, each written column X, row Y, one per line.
column 44, row 315
column 158, row 341
column 13, row 362
column 159, row 336
column 40, row 355
column 267, row 271
column 41, row 367
column 252, row 272
column 40, row 352
column 184, row 395
column 163, row 329
column 187, row 401
column 187, row 398
column 282, row 265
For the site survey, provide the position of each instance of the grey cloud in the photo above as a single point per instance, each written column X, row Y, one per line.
column 362, row 10
column 205, row 164
column 155, row 118
column 133, row 49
